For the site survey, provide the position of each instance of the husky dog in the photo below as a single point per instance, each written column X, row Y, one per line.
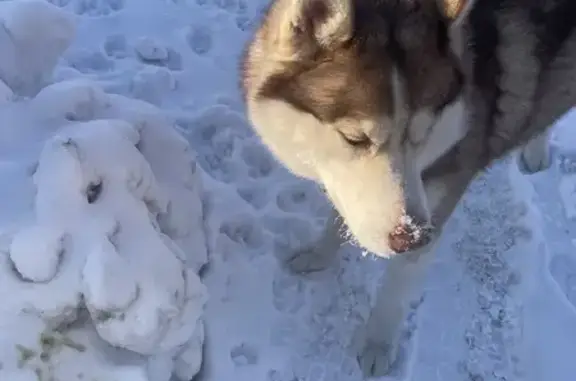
column 393, row 106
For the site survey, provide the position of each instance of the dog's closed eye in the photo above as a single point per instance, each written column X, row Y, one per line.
column 360, row 140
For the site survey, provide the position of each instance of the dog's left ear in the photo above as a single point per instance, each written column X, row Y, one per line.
column 455, row 10
column 332, row 19
column 308, row 24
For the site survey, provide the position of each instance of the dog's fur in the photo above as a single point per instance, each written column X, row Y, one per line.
column 382, row 101
column 325, row 93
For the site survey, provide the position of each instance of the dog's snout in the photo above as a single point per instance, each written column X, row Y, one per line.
column 408, row 235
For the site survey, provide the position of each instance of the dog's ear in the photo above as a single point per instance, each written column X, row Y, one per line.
column 455, row 10
column 307, row 24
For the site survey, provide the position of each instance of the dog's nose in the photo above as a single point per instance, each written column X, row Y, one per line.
column 408, row 235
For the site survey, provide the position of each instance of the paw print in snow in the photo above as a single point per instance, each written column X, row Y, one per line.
column 217, row 134
column 60, row 3
column 244, row 231
column 255, row 195
column 300, row 197
column 216, row 121
column 242, row 6
column 97, row 7
column 244, row 22
column 153, row 52
column 244, row 354
column 199, row 39
column 288, row 293
column 152, row 83
column 227, row 5
column 148, row 49
column 116, row 46
column 292, row 234
column 87, row 61
column 258, row 160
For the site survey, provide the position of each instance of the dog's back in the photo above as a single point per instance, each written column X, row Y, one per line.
column 519, row 61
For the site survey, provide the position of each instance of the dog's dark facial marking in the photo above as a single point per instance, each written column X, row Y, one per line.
column 314, row 13
column 353, row 79
column 421, row 48
column 317, row 10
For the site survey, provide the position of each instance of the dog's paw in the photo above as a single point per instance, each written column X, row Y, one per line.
column 376, row 359
column 533, row 159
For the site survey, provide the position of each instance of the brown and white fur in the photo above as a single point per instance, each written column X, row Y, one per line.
column 386, row 104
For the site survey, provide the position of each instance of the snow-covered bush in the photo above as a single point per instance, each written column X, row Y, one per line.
column 100, row 279
column 103, row 263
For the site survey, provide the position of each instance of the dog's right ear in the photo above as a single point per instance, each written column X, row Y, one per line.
column 308, row 25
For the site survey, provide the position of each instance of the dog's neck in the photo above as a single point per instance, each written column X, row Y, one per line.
column 515, row 58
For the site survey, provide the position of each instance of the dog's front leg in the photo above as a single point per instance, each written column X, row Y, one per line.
column 403, row 282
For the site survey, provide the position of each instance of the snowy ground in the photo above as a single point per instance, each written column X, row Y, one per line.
column 129, row 249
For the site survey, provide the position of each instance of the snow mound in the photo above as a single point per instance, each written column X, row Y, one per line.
column 33, row 35
column 102, row 282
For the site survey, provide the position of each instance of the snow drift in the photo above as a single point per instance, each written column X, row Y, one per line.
column 33, row 35
column 99, row 279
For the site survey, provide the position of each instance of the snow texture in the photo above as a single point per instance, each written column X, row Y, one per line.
column 33, row 35
column 100, row 272
column 133, row 188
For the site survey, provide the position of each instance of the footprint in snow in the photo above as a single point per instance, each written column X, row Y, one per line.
column 59, row 3
column 244, row 354
column 289, row 293
column 255, row 195
column 216, row 135
column 116, row 46
column 96, row 7
column 244, row 23
column 258, row 159
column 227, row 5
column 199, row 39
column 244, row 231
column 86, row 61
column 297, row 198
column 153, row 52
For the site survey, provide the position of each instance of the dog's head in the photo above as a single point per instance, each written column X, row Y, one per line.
column 332, row 88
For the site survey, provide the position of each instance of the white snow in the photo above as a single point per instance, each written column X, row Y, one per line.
column 150, row 49
column 144, row 226
column 36, row 253
column 33, row 35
